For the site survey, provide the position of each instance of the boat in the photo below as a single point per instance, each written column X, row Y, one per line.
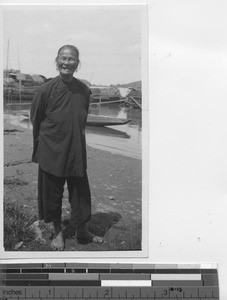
column 92, row 119
column 104, row 94
column 100, row 120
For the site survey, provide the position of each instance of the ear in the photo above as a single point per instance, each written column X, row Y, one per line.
column 78, row 63
column 57, row 64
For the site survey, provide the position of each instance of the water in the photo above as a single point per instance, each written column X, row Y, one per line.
column 121, row 139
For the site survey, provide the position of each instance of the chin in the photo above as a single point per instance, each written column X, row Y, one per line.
column 66, row 72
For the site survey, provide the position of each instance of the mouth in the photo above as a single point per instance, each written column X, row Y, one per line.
column 66, row 69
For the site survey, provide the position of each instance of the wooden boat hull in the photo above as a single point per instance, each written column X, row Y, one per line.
column 92, row 120
column 98, row 120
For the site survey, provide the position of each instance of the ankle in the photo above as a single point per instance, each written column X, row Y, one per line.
column 57, row 227
column 82, row 227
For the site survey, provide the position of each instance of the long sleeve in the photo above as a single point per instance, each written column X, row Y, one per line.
column 37, row 115
column 88, row 101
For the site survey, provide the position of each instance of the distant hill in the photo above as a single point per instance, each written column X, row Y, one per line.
column 136, row 85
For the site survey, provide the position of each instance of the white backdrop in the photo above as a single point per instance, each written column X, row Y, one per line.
column 188, row 133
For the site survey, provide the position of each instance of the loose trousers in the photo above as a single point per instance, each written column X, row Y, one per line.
column 50, row 195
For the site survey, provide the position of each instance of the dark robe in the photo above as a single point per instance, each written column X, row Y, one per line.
column 58, row 115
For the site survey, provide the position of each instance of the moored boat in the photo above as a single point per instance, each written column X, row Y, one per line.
column 99, row 120
column 92, row 119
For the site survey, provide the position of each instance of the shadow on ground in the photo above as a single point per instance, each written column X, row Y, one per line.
column 99, row 225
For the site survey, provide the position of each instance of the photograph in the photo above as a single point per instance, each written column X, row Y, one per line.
column 75, row 154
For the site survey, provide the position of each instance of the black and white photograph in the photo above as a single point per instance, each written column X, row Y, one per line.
column 73, row 89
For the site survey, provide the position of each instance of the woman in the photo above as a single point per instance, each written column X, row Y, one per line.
column 58, row 115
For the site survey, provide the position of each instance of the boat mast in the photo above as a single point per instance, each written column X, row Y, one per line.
column 18, row 63
column 7, row 65
column 18, row 60
column 7, row 58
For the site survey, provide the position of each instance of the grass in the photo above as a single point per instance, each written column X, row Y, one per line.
column 15, row 181
column 17, row 224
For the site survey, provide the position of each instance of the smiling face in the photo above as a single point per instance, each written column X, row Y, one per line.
column 67, row 63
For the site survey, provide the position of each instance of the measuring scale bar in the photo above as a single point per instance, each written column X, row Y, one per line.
column 114, row 281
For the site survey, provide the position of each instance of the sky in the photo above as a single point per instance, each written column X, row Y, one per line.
column 109, row 39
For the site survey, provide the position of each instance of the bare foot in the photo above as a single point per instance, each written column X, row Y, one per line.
column 85, row 237
column 57, row 243
column 38, row 232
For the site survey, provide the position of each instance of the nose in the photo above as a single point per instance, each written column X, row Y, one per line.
column 66, row 62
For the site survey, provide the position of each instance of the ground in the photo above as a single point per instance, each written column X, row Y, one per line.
column 115, row 183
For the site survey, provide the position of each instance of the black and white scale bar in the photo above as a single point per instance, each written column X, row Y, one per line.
column 175, row 292
column 108, row 281
column 109, row 268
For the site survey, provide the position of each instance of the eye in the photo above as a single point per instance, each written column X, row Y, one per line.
column 72, row 59
column 69, row 59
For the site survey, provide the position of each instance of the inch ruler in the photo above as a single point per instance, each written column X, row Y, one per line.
column 109, row 281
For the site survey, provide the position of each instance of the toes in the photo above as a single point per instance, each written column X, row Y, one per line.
column 97, row 240
column 57, row 243
column 87, row 238
column 57, row 247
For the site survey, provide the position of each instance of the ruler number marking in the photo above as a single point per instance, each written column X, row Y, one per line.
column 165, row 292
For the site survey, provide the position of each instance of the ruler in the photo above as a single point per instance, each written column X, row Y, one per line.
column 108, row 281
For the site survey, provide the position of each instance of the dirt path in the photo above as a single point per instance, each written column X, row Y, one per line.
column 115, row 183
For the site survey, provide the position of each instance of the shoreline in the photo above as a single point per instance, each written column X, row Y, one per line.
column 111, row 139
column 115, row 182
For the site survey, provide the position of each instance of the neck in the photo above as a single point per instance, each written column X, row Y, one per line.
column 67, row 78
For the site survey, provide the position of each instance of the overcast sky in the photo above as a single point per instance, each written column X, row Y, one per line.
column 108, row 37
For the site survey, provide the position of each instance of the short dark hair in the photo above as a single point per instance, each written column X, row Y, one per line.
column 72, row 48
